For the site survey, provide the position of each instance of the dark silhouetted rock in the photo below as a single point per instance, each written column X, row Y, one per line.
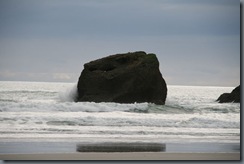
column 234, row 96
column 123, row 78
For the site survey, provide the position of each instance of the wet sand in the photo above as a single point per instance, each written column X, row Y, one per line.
column 123, row 156
column 118, row 151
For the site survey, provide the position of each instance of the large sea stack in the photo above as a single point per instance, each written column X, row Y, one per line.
column 234, row 96
column 123, row 78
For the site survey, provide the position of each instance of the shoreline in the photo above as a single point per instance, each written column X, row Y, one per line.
column 123, row 156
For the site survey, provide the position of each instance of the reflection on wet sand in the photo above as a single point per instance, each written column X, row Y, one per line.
column 121, row 147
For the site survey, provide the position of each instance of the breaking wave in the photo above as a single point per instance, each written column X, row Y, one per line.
column 48, row 109
column 69, row 95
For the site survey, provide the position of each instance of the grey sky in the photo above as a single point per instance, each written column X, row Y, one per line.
column 196, row 41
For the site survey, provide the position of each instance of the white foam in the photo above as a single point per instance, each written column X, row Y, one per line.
column 47, row 109
column 69, row 94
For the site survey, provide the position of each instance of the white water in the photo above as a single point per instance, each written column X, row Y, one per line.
column 45, row 111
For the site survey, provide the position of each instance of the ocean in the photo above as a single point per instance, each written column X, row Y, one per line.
column 45, row 112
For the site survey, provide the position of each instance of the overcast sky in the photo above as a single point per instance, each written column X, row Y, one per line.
column 197, row 42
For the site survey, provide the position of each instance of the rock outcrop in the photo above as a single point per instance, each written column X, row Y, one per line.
column 123, row 78
column 234, row 96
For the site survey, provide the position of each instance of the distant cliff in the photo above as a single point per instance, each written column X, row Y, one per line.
column 123, row 78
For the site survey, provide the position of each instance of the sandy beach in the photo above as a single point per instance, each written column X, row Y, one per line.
column 123, row 156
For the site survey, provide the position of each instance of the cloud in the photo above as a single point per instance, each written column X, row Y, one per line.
column 51, row 40
column 27, row 76
column 115, row 18
column 186, row 57
column 7, row 74
column 61, row 76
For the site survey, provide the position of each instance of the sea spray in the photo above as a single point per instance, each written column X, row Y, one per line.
column 69, row 95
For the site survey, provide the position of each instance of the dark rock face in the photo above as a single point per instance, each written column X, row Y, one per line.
column 123, row 78
column 234, row 96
